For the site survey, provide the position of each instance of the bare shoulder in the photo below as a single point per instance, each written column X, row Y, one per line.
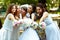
column 45, row 14
column 10, row 16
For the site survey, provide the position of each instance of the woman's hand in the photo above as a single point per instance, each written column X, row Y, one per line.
column 17, row 24
column 42, row 25
column 44, row 16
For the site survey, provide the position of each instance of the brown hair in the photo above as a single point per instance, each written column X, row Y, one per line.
column 24, row 8
column 43, row 10
column 16, row 13
column 42, row 7
column 9, row 9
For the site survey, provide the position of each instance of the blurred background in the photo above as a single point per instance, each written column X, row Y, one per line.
column 53, row 7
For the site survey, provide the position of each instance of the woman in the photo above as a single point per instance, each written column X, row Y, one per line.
column 6, row 30
column 30, row 11
column 16, row 29
column 33, row 11
column 29, row 33
column 52, row 32
column 18, row 12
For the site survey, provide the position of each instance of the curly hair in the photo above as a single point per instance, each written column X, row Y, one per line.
column 9, row 9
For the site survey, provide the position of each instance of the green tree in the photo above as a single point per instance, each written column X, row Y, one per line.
column 24, row 1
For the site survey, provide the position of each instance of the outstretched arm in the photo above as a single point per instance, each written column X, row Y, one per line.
column 45, row 15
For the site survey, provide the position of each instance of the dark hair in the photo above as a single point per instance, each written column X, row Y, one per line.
column 41, row 6
column 25, row 9
column 17, row 14
column 33, row 8
column 9, row 9
column 40, row 15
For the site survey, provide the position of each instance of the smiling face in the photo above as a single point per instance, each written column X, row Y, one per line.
column 23, row 11
column 13, row 10
column 29, row 9
column 18, row 9
column 38, row 10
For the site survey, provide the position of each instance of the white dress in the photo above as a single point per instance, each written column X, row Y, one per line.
column 29, row 33
column 6, row 30
column 15, row 33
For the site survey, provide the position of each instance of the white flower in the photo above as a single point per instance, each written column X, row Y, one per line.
column 27, row 22
column 34, row 25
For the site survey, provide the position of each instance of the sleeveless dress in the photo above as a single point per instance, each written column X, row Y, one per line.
column 29, row 33
column 52, row 31
column 6, row 30
column 15, row 32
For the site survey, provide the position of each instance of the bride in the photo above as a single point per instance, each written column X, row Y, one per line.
column 29, row 33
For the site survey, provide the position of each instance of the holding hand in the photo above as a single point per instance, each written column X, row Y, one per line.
column 42, row 25
column 17, row 24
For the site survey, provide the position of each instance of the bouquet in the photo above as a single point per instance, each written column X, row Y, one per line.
column 30, row 23
column 34, row 25
column 18, row 23
column 42, row 25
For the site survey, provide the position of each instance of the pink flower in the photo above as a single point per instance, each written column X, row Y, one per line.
column 43, row 24
column 17, row 23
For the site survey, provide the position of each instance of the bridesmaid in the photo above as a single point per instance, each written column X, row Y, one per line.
column 6, row 30
column 31, row 11
column 52, row 32
column 29, row 33
column 16, row 29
